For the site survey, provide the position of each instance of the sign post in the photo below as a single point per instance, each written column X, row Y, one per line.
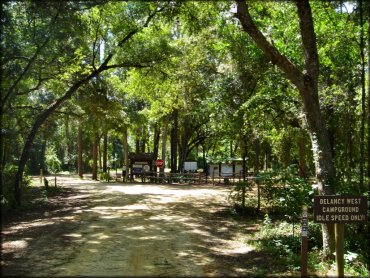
column 339, row 248
column 339, row 210
column 304, row 240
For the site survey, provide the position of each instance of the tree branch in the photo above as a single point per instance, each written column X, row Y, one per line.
column 308, row 39
column 28, row 66
column 291, row 71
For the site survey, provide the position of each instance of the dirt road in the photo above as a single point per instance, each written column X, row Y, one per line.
column 112, row 229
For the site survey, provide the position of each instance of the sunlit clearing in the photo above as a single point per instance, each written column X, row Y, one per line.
column 161, row 190
column 136, row 228
column 15, row 244
column 73, row 235
column 104, row 209
column 93, row 242
column 27, row 225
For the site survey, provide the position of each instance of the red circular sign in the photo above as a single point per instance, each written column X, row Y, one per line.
column 159, row 163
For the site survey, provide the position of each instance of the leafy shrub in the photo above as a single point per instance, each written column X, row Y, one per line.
column 285, row 191
column 279, row 241
column 7, row 186
column 103, row 176
column 237, row 194
column 52, row 161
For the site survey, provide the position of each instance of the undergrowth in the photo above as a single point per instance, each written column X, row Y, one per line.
column 282, row 242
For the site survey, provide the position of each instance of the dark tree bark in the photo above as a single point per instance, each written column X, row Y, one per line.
column 363, row 99
column 183, row 146
column 257, row 170
column 267, row 155
column 306, row 82
column 174, row 142
column 105, row 151
column 143, row 139
column 302, row 156
column 164, row 143
column 79, row 150
column 95, row 157
column 137, row 145
column 126, row 151
column 157, row 135
column 42, row 156
column 67, row 148
column 244, row 156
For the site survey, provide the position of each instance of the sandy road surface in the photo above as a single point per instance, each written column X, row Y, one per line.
column 111, row 229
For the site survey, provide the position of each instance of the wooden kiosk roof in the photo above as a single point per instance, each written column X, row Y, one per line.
column 142, row 157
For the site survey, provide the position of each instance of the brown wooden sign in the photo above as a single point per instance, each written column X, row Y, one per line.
column 340, row 209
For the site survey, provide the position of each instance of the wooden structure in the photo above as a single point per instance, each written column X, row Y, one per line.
column 139, row 163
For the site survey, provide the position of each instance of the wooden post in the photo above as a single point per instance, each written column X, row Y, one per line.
column 339, row 248
column 304, row 242
column 41, row 176
column 243, row 196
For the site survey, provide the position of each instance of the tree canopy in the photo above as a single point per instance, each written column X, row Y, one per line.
column 274, row 83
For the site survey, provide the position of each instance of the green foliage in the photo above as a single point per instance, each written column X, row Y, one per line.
column 278, row 239
column 279, row 242
column 104, row 176
column 7, row 187
column 285, row 191
column 238, row 195
column 52, row 161
column 192, row 58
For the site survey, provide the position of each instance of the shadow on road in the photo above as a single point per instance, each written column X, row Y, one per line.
column 110, row 229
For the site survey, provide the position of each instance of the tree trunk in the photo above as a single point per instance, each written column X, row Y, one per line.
column 204, row 160
column 137, row 145
column 35, row 128
column 286, row 148
column 46, row 113
column 231, row 149
column 363, row 100
column 42, row 156
column 164, row 143
column 156, row 139
column 183, row 145
column 79, row 150
column 174, row 142
column 302, row 156
column 307, row 83
column 350, row 119
column 256, row 171
column 100, row 155
column 95, row 157
column 67, row 149
column 105, row 151
column 267, row 150
column 143, row 139
column 244, row 156
column 126, row 150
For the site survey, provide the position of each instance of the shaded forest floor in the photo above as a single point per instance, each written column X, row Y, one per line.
column 114, row 229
